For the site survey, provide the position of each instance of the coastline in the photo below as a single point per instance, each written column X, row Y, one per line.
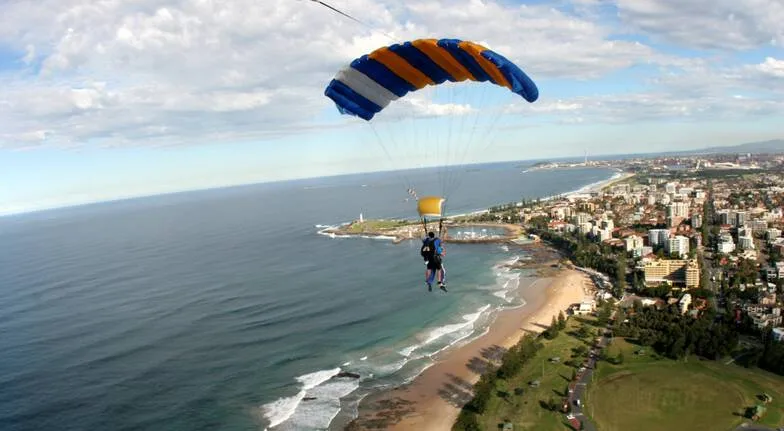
column 612, row 181
column 434, row 398
column 412, row 230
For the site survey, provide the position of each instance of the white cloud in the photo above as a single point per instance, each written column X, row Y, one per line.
column 713, row 24
column 557, row 106
column 631, row 108
column 546, row 42
column 173, row 70
column 152, row 72
column 771, row 67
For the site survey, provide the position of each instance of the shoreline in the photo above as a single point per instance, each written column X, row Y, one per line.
column 433, row 399
column 612, row 181
column 411, row 231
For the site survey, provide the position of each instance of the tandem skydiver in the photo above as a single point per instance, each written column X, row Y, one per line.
column 433, row 252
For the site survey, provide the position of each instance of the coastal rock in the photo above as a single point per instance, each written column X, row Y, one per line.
column 347, row 374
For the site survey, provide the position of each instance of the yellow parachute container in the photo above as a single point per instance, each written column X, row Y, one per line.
column 430, row 206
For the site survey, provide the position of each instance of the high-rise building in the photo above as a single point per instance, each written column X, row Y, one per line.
column 581, row 218
column 725, row 217
column 673, row 271
column 677, row 245
column 740, row 218
column 633, row 242
column 678, row 209
column 746, row 242
column 657, row 237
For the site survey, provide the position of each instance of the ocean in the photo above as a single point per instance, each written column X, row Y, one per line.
column 231, row 309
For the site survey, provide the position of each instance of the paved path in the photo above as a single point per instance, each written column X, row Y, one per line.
column 577, row 396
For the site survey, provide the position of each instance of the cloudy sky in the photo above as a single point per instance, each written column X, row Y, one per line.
column 105, row 99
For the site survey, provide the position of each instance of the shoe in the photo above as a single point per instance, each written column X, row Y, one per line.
column 429, row 287
column 443, row 287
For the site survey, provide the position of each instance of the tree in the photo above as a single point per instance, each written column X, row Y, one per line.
column 704, row 273
column 467, row 421
column 552, row 331
column 774, row 255
column 620, row 275
column 561, row 320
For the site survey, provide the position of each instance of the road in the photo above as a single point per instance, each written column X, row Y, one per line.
column 577, row 395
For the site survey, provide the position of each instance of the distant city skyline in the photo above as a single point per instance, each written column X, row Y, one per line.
column 110, row 100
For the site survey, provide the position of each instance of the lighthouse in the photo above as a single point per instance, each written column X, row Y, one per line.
column 361, row 220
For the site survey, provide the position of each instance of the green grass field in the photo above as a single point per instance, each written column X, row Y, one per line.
column 376, row 225
column 648, row 392
column 525, row 411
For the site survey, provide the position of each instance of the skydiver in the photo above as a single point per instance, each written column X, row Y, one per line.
column 433, row 252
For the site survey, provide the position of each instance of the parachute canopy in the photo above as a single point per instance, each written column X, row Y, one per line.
column 371, row 82
column 430, row 206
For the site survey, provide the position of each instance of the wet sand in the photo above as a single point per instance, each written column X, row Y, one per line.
column 432, row 401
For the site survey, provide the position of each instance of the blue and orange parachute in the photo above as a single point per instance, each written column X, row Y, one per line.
column 367, row 85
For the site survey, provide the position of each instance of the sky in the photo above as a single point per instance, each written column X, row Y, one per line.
column 107, row 99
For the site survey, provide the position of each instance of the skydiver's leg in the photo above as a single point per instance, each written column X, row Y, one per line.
column 443, row 273
column 432, row 268
column 442, row 276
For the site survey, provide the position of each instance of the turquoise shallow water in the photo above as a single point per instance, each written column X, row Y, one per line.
column 226, row 309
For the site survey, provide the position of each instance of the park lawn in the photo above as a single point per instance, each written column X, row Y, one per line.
column 376, row 225
column 525, row 411
column 650, row 392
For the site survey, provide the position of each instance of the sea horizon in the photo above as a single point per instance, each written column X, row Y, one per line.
column 20, row 210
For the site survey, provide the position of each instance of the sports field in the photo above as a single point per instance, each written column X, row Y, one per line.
column 647, row 392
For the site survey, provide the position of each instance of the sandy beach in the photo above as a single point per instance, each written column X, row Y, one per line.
column 611, row 182
column 432, row 401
